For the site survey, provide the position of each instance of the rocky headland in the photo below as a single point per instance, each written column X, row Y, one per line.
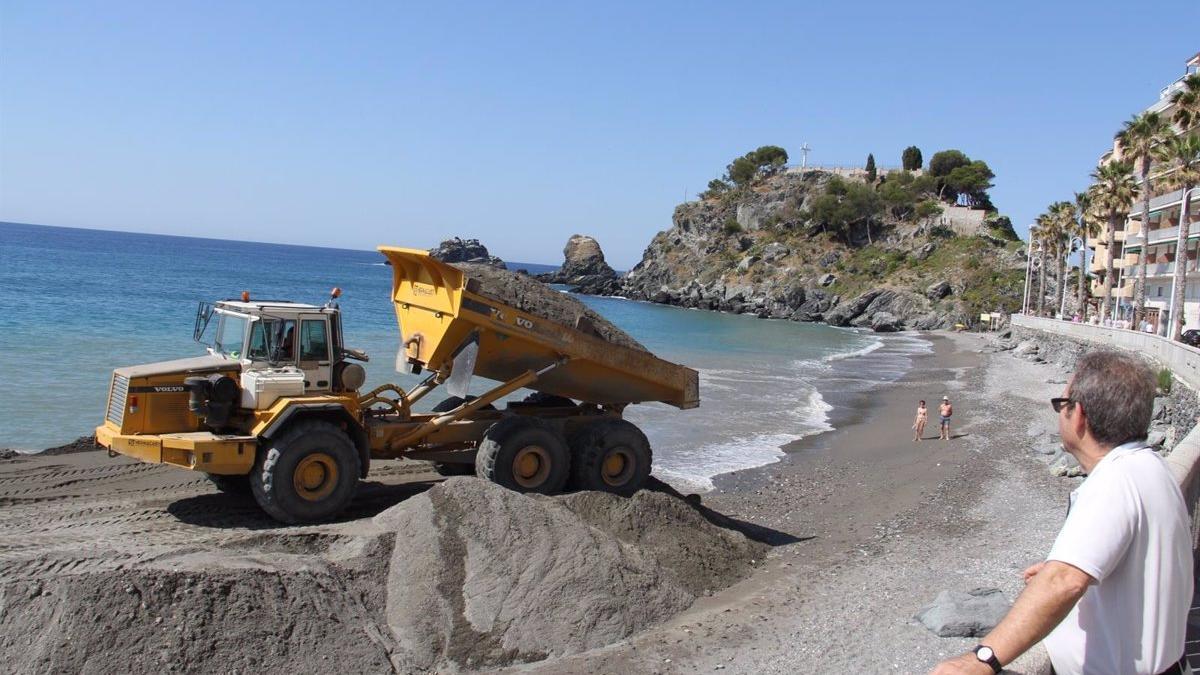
column 771, row 250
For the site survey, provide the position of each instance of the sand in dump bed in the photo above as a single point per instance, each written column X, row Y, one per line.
column 530, row 295
column 466, row 574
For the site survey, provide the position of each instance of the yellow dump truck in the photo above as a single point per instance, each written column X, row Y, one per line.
column 275, row 406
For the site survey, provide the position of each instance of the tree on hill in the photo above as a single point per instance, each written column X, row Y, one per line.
column 871, row 172
column 946, row 161
column 844, row 207
column 970, row 183
column 765, row 161
column 903, row 193
column 911, row 160
column 960, row 179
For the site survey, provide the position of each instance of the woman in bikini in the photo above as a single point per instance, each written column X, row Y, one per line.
column 919, row 423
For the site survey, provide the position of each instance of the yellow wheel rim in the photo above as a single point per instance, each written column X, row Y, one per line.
column 618, row 466
column 531, row 466
column 315, row 477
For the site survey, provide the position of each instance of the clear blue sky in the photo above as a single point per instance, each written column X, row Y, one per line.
column 355, row 124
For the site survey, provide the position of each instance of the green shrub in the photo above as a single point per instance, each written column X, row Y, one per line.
column 1164, row 380
column 732, row 226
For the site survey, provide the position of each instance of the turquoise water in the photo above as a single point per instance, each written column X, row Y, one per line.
column 77, row 303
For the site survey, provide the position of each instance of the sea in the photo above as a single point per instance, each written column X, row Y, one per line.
column 76, row 303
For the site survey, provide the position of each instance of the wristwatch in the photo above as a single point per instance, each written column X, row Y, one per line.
column 986, row 655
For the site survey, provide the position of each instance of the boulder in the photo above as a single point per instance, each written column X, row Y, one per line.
column 829, row 258
column 746, row 263
column 926, row 251
column 774, row 251
column 827, row 279
column 970, row 614
column 583, row 257
column 458, row 250
column 1025, row 348
column 885, row 322
column 843, row 314
column 938, row 290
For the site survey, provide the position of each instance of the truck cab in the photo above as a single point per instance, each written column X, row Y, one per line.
column 271, row 335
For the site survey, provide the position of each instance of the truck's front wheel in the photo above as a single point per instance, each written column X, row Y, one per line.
column 307, row 475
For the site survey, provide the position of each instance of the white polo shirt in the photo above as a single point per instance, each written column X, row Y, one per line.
column 1129, row 529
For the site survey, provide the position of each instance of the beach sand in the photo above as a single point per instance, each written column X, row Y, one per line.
column 867, row 526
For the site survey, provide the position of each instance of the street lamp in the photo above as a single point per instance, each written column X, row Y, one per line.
column 1186, row 233
column 1029, row 267
column 1135, row 239
column 1076, row 244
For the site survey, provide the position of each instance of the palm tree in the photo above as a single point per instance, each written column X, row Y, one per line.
column 1112, row 193
column 1062, row 222
column 1182, row 153
column 1085, row 226
column 1138, row 138
column 1187, row 103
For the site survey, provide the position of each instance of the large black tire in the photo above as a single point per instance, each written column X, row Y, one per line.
column 454, row 469
column 453, row 402
column 307, row 475
column 233, row 485
column 524, row 454
column 610, row 455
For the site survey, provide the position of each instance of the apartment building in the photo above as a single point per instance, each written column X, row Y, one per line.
column 1157, row 233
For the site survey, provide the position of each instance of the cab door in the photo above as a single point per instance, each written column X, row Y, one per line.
column 314, row 352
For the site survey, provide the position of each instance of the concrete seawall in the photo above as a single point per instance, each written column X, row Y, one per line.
column 1183, row 362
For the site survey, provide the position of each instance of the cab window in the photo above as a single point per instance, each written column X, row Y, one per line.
column 283, row 338
column 314, row 341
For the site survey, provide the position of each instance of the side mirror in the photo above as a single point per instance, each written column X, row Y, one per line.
column 356, row 354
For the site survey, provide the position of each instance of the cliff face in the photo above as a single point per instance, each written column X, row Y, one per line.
column 759, row 253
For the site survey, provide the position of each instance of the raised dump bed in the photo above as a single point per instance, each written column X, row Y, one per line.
column 441, row 310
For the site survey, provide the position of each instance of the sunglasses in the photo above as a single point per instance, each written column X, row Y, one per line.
column 1059, row 403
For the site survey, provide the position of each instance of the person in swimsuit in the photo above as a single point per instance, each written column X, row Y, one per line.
column 919, row 423
column 945, row 411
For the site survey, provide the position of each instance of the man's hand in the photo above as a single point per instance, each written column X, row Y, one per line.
column 1032, row 571
column 966, row 664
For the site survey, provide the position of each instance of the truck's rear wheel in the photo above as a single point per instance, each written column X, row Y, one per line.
column 524, row 454
column 233, row 485
column 307, row 475
column 612, row 456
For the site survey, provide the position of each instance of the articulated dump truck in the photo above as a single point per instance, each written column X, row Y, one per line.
column 274, row 409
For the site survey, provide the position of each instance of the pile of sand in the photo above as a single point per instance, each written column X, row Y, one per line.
column 226, row 610
column 467, row 574
column 487, row 576
column 532, row 296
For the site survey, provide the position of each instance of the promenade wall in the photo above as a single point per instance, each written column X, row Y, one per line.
column 1183, row 362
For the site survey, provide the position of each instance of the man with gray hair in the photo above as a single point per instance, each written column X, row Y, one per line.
column 1113, row 595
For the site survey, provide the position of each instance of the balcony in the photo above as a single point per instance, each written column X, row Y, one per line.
column 1163, row 201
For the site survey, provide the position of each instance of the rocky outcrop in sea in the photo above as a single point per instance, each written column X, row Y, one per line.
column 584, row 268
column 458, row 250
